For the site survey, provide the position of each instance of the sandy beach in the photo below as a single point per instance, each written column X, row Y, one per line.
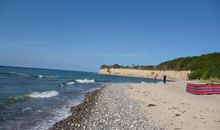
column 169, row 106
column 145, row 106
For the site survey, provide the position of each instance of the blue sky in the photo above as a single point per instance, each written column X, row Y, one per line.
column 82, row 35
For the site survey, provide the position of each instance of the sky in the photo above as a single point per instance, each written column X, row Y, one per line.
column 84, row 34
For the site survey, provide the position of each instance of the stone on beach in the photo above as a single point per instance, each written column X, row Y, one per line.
column 166, row 106
column 114, row 110
column 109, row 108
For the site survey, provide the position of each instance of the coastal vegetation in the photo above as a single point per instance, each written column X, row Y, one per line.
column 206, row 66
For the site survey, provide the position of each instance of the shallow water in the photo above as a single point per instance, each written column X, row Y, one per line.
column 37, row 98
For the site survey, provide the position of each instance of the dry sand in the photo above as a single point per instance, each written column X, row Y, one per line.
column 145, row 106
column 169, row 106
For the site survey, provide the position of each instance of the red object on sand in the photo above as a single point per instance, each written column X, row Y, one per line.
column 203, row 89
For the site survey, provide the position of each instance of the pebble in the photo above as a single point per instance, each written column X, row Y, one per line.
column 115, row 110
column 107, row 109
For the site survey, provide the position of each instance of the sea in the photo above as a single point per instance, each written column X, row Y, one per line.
column 35, row 99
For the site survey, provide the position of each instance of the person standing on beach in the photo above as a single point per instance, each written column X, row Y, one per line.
column 155, row 78
column 164, row 79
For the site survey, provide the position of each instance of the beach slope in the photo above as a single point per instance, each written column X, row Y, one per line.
column 145, row 106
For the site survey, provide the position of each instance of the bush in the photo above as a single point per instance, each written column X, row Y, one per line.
column 202, row 67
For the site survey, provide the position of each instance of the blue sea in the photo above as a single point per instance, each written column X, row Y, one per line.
column 35, row 99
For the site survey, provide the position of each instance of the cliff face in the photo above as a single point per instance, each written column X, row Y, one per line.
column 176, row 75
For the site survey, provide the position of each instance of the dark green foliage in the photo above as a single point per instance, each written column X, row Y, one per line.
column 115, row 66
column 202, row 67
column 141, row 67
column 186, row 63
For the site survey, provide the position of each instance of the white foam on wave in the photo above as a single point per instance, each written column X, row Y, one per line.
column 91, row 90
column 85, row 81
column 47, row 77
column 46, row 94
column 142, row 82
column 70, row 83
column 17, row 73
column 40, row 76
column 58, row 114
column 26, row 109
column 67, row 83
column 62, row 85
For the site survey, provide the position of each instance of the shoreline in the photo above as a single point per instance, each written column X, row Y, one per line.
column 78, row 113
column 144, row 106
column 106, row 108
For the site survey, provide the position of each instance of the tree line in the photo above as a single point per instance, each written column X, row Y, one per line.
column 205, row 66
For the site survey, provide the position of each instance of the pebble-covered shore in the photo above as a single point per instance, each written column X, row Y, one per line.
column 79, row 113
column 108, row 108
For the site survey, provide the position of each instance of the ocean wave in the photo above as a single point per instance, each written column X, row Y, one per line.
column 20, row 98
column 26, row 109
column 85, row 81
column 46, row 94
column 27, row 75
column 45, row 77
column 70, row 83
column 40, row 76
column 12, row 99
column 58, row 114
column 62, row 85
column 52, row 77
column 67, row 83
column 14, row 74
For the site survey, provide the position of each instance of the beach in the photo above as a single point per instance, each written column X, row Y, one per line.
column 41, row 97
column 107, row 108
column 169, row 106
column 109, row 65
column 148, row 106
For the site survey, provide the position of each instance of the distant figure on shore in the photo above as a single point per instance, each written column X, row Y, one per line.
column 155, row 78
column 164, row 79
